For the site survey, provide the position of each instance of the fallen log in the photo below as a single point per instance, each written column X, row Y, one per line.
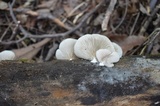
column 80, row 83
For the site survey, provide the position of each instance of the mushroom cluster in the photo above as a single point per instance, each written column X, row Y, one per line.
column 93, row 47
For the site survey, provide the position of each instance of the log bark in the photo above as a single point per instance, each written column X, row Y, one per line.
column 80, row 83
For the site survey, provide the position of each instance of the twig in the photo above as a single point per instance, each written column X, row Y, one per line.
column 14, row 30
column 57, row 21
column 13, row 2
column 125, row 13
column 26, row 11
column 76, row 8
column 72, row 30
column 44, row 16
column 131, row 32
column 28, row 35
column 107, row 15
column 146, row 24
column 51, row 52
column 1, row 38
column 17, row 24
column 152, row 4
column 149, row 40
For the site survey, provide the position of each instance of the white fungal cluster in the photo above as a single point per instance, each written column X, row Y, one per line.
column 93, row 47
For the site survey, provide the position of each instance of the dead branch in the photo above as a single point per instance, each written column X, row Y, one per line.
column 29, row 35
column 122, row 20
column 107, row 15
column 146, row 24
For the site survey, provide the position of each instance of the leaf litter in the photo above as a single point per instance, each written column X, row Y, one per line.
column 34, row 28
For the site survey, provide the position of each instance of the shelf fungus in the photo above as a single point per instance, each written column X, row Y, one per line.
column 107, row 58
column 7, row 55
column 93, row 47
column 87, row 45
column 118, row 49
column 66, row 50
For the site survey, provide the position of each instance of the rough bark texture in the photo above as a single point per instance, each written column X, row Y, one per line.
column 134, row 81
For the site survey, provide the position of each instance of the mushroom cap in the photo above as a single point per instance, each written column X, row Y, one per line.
column 7, row 55
column 106, row 57
column 117, row 49
column 66, row 49
column 87, row 45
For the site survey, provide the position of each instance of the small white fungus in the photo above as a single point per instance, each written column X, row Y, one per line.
column 118, row 49
column 87, row 45
column 66, row 49
column 7, row 55
column 106, row 57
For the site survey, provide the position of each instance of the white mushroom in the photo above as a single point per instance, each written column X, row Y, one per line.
column 66, row 49
column 87, row 45
column 118, row 49
column 7, row 55
column 106, row 57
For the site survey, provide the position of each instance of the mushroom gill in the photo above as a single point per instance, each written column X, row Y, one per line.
column 106, row 57
column 87, row 45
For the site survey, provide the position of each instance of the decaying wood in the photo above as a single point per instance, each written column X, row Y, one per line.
column 132, row 82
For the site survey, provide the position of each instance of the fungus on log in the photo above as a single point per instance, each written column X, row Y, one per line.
column 66, row 50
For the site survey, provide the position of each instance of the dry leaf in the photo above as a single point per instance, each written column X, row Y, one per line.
column 51, row 4
column 144, row 10
column 30, row 22
column 132, row 8
column 22, row 18
column 127, row 42
column 67, row 9
column 30, row 51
